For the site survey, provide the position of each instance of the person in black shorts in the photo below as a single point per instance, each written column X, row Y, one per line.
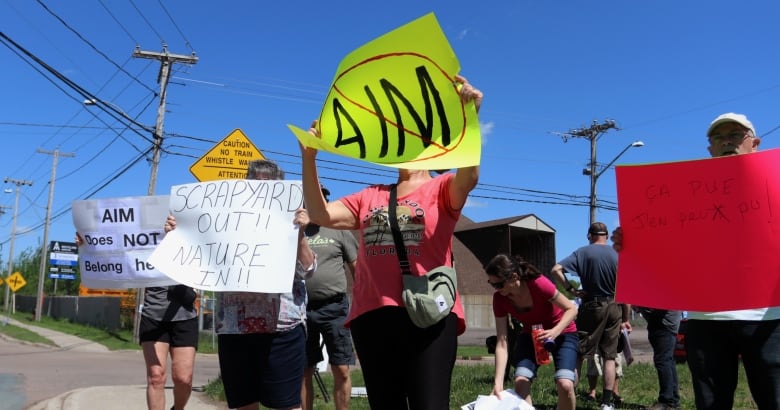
column 169, row 325
column 262, row 336
column 327, row 309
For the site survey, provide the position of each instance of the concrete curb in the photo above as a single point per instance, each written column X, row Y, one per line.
column 132, row 397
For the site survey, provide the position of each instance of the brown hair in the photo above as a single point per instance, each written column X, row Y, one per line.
column 503, row 266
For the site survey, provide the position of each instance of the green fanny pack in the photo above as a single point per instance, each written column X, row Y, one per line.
column 431, row 297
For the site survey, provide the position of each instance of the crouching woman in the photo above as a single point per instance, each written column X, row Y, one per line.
column 529, row 297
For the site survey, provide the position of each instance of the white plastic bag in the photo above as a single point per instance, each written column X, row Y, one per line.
column 509, row 401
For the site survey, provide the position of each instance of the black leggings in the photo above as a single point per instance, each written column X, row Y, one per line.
column 404, row 366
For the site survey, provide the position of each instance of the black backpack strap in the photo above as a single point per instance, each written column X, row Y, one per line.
column 400, row 248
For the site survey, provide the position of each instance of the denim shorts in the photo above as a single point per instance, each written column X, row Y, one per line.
column 564, row 356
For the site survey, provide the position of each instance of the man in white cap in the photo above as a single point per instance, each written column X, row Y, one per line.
column 715, row 340
column 732, row 134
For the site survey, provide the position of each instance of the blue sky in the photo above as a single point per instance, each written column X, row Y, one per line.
column 662, row 70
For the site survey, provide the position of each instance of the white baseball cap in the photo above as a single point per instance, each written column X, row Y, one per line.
column 731, row 117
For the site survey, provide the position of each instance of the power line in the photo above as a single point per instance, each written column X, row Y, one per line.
column 151, row 26
column 116, row 114
column 90, row 192
column 186, row 42
column 119, row 23
column 87, row 42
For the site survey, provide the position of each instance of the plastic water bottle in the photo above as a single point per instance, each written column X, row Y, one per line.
column 542, row 354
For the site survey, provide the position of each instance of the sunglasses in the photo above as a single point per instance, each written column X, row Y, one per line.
column 497, row 285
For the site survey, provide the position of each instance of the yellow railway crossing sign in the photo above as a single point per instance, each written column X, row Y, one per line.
column 16, row 281
column 228, row 159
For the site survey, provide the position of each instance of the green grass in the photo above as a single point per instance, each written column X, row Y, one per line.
column 638, row 388
column 113, row 339
column 471, row 352
column 22, row 334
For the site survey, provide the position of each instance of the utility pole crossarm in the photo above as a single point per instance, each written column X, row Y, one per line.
column 172, row 58
column 592, row 134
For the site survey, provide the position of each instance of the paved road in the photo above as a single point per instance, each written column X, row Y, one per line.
column 33, row 373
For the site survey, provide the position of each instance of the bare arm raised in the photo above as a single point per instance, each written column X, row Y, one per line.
column 465, row 178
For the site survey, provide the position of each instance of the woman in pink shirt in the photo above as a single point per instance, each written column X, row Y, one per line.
column 404, row 367
column 530, row 298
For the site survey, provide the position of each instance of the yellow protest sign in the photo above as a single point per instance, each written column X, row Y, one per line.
column 16, row 281
column 394, row 102
column 227, row 159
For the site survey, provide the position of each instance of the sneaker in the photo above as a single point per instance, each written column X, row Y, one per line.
column 605, row 406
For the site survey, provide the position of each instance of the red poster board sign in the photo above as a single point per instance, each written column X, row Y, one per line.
column 701, row 235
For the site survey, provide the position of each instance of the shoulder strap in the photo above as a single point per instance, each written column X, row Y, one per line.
column 400, row 249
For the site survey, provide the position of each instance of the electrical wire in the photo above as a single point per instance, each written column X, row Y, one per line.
column 176, row 26
column 87, row 42
column 95, row 190
column 150, row 25
column 117, row 114
column 119, row 23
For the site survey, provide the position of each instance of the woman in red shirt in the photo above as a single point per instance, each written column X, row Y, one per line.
column 530, row 298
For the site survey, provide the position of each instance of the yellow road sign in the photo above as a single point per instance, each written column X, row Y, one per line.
column 228, row 159
column 16, row 281
column 1, row 281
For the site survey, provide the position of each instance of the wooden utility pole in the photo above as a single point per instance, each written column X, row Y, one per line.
column 166, row 60
column 591, row 134
column 42, row 273
column 18, row 183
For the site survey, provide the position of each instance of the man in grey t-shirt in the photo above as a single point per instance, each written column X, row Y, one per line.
column 599, row 319
column 327, row 309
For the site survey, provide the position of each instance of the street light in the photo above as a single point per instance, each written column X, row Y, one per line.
column 594, row 175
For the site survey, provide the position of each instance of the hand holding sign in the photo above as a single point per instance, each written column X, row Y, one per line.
column 398, row 101
column 699, row 225
column 116, row 236
column 232, row 235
